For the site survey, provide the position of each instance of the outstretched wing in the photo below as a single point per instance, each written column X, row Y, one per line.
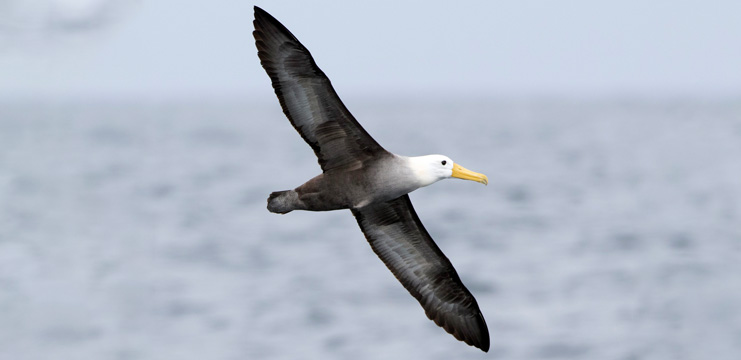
column 308, row 99
column 399, row 239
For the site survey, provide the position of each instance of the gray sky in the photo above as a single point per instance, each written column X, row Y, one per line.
column 162, row 49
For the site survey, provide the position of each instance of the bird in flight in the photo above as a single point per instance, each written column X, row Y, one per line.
column 360, row 175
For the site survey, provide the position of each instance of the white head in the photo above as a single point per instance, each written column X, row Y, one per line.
column 429, row 169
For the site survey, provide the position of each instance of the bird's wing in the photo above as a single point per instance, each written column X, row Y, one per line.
column 308, row 99
column 399, row 239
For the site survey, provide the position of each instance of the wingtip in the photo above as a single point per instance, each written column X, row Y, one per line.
column 485, row 345
column 259, row 12
column 471, row 330
column 481, row 342
column 483, row 339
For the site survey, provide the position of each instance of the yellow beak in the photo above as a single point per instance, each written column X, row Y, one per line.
column 465, row 174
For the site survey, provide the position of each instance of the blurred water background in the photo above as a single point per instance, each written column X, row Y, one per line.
column 610, row 230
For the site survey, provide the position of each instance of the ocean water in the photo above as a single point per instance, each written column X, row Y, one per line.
column 609, row 230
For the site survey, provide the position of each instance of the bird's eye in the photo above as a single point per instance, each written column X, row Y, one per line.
column 444, row 162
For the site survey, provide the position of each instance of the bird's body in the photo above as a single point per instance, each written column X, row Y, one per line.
column 378, row 180
column 360, row 175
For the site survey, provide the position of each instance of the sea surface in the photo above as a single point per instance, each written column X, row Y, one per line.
column 610, row 229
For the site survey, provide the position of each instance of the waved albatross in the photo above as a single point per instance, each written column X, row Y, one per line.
column 358, row 174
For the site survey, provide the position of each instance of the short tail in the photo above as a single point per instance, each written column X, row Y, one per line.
column 282, row 202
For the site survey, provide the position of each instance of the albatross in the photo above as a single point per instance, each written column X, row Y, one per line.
column 360, row 175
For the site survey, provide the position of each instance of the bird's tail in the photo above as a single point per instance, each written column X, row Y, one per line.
column 282, row 202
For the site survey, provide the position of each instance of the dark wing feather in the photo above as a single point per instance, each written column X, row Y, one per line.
column 308, row 99
column 399, row 239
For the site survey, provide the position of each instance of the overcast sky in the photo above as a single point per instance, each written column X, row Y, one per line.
column 162, row 49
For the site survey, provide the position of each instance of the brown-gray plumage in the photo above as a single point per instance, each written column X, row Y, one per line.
column 360, row 175
column 398, row 237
